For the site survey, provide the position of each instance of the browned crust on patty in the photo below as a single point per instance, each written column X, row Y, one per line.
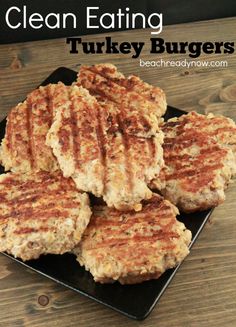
column 199, row 162
column 222, row 129
column 40, row 213
column 23, row 149
column 96, row 147
column 132, row 247
column 131, row 94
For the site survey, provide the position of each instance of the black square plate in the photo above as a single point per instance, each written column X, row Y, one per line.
column 134, row 301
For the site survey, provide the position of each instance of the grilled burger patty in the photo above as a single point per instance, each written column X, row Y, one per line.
column 199, row 161
column 133, row 247
column 40, row 213
column 220, row 128
column 129, row 94
column 95, row 146
column 23, row 148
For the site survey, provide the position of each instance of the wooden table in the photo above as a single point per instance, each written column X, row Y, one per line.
column 203, row 293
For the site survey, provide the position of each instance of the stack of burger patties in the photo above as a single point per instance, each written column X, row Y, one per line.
column 104, row 138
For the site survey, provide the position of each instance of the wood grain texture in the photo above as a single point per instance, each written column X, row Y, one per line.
column 203, row 293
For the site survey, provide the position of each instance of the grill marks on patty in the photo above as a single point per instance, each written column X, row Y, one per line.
column 40, row 213
column 199, row 161
column 221, row 129
column 133, row 246
column 129, row 95
column 96, row 148
column 23, row 148
column 36, row 198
